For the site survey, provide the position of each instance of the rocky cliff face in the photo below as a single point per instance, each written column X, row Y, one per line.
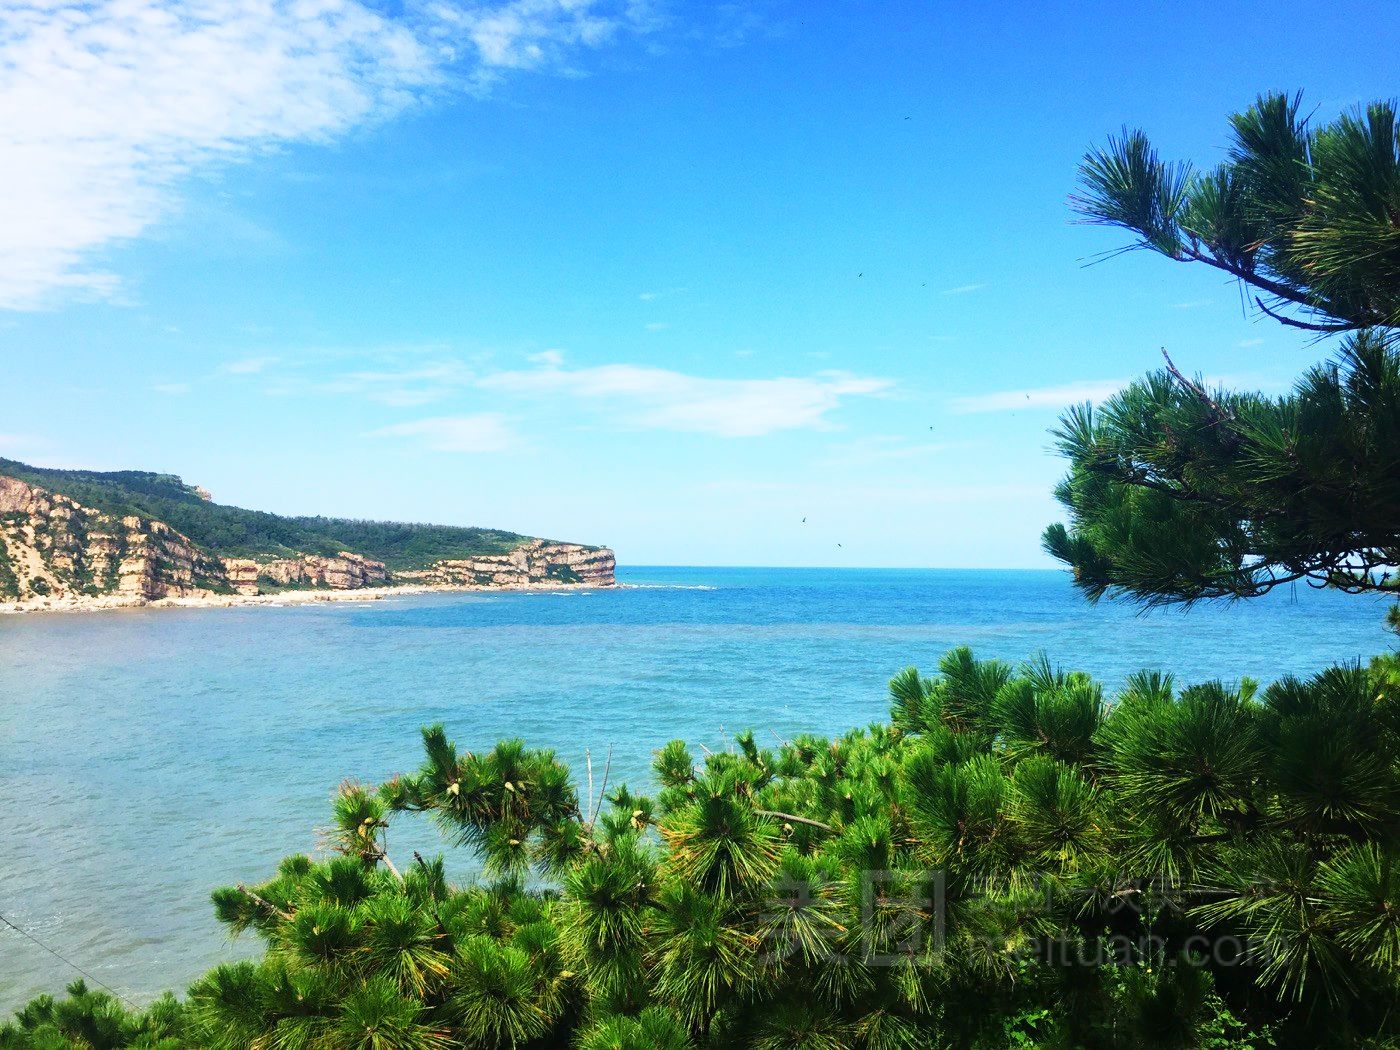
column 536, row 562
column 346, row 571
column 55, row 550
column 53, row 546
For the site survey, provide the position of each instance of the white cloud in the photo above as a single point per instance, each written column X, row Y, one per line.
column 1194, row 304
column 661, row 399
column 248, row 366
column 1244, row 343
column 657, row 326
column 110, row 105
column 1039, row 397
column 403, row 387
column 482, row 432
column 648, row 297
column 964, row 289
column 527, row 34
column 173, row 389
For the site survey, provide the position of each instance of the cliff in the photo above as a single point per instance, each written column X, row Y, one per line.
column 58, row 551
column 51, row 545
column 345, row 571
column 538, row 561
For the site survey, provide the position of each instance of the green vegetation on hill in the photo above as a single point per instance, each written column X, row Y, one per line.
column 233, row 532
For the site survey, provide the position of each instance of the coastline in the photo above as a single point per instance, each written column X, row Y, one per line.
column 115, row 602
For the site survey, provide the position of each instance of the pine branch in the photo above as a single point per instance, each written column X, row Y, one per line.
column 1307, row 326
column 266, row 905
column 794, row 819
column 1196, row 389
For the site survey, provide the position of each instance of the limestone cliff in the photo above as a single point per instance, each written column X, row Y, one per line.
column 538, row 561
column 51, row 545
column 346, row 571
column 55, row 551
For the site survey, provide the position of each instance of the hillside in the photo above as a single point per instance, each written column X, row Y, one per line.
column 70, row 535
column 234, row 532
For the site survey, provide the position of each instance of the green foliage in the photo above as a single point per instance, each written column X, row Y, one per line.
column 234, row 532
column 9, row 582
column 1176, row 494
column 96, row 1021
column 1308, row 217
column 1014, row 861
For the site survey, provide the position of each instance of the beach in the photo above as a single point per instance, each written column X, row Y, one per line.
column 113, row 602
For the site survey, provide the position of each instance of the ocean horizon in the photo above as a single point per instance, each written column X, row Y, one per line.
column 150, row 756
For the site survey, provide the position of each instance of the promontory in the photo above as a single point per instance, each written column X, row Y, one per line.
column 89, row 539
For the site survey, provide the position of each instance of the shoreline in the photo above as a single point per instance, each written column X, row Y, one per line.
column 118, row 602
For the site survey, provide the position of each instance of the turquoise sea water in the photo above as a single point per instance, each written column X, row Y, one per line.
column 149, row 756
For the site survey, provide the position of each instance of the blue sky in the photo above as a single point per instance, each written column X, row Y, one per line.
column 665, row 276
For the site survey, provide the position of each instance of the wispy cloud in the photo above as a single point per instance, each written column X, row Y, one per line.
column 482, row 432
column 1193, row 304
column 404, row 387
column 110, row 106
column 1245, row 343
column 1039, row 397
column 964, row 289
column 528, row 34
column 626, row 395
column 657, row 326
column 658, row 398
column 247, row 366
column 173, row 389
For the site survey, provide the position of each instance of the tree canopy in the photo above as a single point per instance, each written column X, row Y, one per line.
column 1015, row 859
column 1307, row 217
column 1177, row 493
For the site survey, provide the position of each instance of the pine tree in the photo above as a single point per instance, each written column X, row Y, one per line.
column 1016, row 859
column 1177, row 493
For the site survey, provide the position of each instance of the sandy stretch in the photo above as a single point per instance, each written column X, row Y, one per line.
column 112, row 602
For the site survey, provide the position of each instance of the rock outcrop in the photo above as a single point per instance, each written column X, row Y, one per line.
column 54, row 550
column 346, row 571
column 53, row 546
column 538, row 561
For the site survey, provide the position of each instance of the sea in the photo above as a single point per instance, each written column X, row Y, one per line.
column 150, row 756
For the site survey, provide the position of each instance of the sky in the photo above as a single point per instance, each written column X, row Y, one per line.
column 744, row 283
